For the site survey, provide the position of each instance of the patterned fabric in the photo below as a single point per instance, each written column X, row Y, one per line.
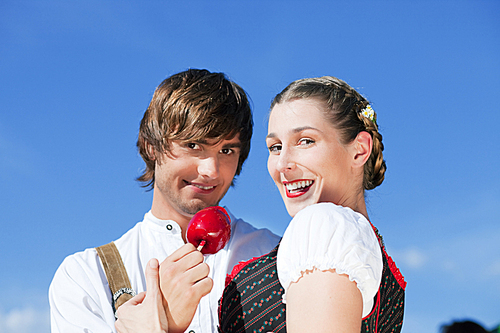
column 251, row 301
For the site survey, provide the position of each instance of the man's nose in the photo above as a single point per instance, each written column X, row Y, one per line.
column 209, row 167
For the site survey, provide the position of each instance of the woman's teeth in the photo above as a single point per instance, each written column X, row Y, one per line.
column 297, row 186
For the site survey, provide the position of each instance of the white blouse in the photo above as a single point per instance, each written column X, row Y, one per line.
column 326, row 236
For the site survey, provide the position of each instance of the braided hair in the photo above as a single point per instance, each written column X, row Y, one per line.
column 344, row 106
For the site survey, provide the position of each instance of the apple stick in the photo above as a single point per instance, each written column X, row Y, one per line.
column 201, row 245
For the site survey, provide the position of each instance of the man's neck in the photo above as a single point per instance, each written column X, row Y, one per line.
column 163, row 211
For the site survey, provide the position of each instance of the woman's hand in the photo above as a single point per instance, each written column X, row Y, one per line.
column 144, row 313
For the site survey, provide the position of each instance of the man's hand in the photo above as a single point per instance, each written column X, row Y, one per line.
column 144, row 312
column 183, row 282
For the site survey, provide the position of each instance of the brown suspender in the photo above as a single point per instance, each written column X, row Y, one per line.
column 118, row 281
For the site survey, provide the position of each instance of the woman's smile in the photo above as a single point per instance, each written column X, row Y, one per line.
column 297, row 188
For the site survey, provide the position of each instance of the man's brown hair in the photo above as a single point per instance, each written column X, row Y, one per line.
column 193, row 105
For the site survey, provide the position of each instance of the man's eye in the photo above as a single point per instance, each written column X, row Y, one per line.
column 192, row 145
column 227, row 151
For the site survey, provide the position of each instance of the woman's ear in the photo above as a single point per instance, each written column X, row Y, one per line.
column 363, row 148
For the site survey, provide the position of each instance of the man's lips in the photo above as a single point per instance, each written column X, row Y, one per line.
column 297, row 188
column 201, row 188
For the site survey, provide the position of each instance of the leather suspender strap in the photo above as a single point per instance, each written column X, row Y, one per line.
column 116, row 273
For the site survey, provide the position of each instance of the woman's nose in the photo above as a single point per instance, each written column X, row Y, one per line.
column 285, row 161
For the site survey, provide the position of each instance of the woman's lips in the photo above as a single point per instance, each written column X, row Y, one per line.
column 297, row 188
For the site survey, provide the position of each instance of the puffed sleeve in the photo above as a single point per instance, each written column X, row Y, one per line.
column 326, row 236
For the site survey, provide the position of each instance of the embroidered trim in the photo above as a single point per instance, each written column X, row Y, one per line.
column 392, row 265
column 237, row 268
column 395, row 270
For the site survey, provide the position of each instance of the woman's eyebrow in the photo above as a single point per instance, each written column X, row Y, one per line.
column 294, row 130
column 270, row 136
column 303, row 128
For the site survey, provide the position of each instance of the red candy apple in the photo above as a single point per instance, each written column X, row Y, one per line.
column 209, row 229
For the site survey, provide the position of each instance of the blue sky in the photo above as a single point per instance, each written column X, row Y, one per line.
column 76, row 77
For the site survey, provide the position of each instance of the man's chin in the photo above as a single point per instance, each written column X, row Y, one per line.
column 196, row 205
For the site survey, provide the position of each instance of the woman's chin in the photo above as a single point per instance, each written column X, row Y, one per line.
column 295, row 202
column 294, row 208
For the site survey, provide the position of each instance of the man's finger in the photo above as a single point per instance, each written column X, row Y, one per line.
column 197, row 272
column 203, row 287
column 134, row 301
column 181, row 252
column 137, row 299
column 152, row 277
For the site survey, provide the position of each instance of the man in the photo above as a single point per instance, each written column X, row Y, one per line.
column 194, row 137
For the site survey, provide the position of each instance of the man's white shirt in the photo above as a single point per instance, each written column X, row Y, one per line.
column 79, row 295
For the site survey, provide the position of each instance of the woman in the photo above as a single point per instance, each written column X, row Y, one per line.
column 330, row 272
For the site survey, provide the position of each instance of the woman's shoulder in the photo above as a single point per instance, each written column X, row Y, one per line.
column 330, row 210
column 328, row 228
column 329, row 217
column 326, row 236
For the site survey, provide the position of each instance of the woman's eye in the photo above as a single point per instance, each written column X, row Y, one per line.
column 305, row 142
column 274, row 148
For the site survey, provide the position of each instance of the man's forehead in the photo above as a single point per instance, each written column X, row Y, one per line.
column 230, row 140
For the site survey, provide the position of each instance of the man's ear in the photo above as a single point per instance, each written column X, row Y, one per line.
column 363, row 144
column 150, row 150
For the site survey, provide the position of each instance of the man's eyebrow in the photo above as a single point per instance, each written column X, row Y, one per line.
column 226, row 145
column 232, row 145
